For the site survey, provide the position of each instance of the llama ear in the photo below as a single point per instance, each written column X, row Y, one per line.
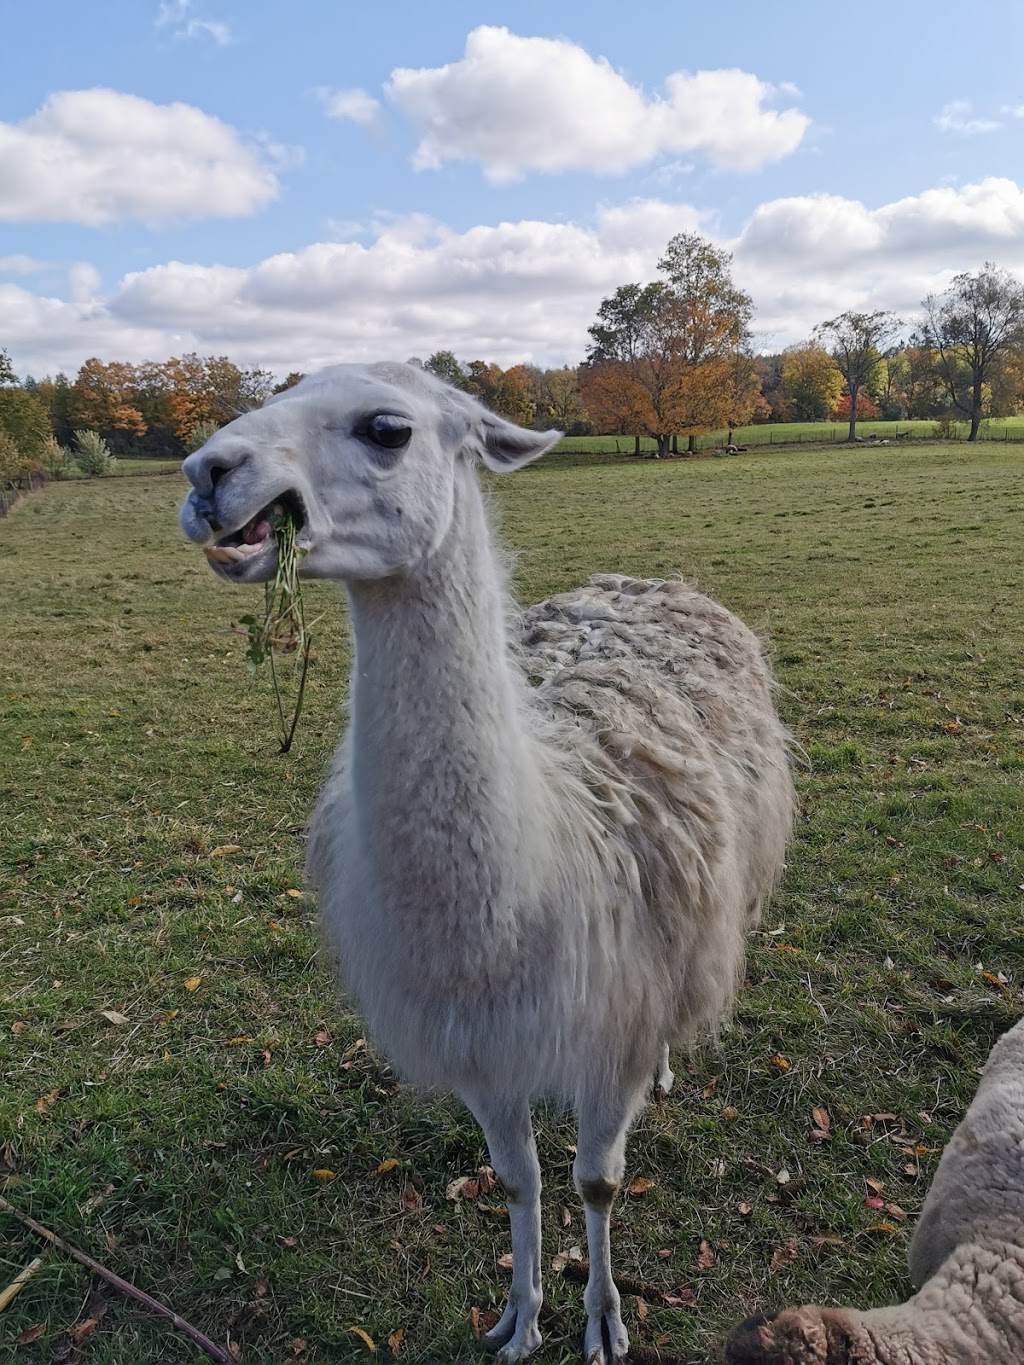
column 504, row 446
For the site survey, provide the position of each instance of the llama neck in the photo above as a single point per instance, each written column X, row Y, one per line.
column 442, row 764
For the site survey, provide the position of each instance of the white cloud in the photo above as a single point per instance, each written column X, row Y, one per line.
column 544, row 104
column 804, row 259
column 99, row 156
column 355, row 104
column 21, row 265
column 514, row 291
column 174, row 14
column 1013, row 110
column 956, row 117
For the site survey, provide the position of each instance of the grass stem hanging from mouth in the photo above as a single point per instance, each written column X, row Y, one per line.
column 282, row 629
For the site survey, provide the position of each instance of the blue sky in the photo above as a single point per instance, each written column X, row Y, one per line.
column 293, row 185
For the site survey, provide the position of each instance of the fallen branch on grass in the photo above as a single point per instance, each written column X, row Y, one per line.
column 204, row 1343
column 8, row 1295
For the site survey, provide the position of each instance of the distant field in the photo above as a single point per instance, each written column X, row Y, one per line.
column 184, row 1097
column 129, row 466
column 788, row 433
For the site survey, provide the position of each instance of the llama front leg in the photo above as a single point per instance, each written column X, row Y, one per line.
column 509, row 1132
column 604, row 1122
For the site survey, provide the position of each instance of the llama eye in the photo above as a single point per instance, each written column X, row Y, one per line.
column 388, row 431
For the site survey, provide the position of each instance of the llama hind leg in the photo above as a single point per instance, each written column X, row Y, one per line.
column 509, row 1132
column 604, row 1122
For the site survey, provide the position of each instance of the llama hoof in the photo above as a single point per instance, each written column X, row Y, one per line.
column 606, row 1341
column 664, row 1078
column 516, row 1335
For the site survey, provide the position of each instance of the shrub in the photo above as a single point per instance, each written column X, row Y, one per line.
column 199, row 435
column 55, row 461
column 92, row 454
column 12, row 463
column 945, row 427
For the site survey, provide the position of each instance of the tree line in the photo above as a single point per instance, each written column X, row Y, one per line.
column 670, row 358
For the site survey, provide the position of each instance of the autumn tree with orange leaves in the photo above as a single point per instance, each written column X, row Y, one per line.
column 673, row 357
column 102, row 399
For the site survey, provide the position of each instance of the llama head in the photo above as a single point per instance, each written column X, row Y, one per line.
column 365, row 459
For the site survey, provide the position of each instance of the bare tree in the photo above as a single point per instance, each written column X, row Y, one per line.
column 854, row 341
column 972, row 326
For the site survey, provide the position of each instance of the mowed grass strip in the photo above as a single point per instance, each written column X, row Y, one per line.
column 184, row 1097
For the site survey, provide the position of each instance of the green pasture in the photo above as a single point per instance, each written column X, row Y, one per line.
column 184, row 1097
column 796, row 433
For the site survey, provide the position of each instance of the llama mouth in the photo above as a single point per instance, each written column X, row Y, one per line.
column 256, row 540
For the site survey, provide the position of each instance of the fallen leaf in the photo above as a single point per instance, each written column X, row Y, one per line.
column 910, row 1169
column 664, row 1253
column 322, row 1038
column 222, row 850
column 680, row 1298
column 821, row 1118
column 505, row 1261
column 482, row 1322
column 781, row 1062
column 193, row 983
column 466, row 1187
column 730, row 1113
column 783, row 1177
column 896, row 1212
column 324, row 1173
column 566, row 1217
column 395, row 1341
column 294, row 893
column 242, row 1038
column 710, row 1088
column 877, row 1185
column 705, row 1257
column 886, row 1227
column 745, row 1209
column 114, row 1016
column 826, row 1239
column 365, row 1338
column 94, row 1201
column 641, row 1309
column 45, row 1102
column 83, row 1329
column 30, row 1334
column 784, row 1255
column 641, row 1185
column 412, row 1200
column 19, row 1026
column 874, row 1201
column 388, row 1164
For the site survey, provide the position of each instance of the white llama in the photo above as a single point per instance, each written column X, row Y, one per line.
column 966, row 1257
column 532, row 890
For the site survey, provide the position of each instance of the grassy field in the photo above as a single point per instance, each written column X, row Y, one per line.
column 183, row 1097
column 791, row 433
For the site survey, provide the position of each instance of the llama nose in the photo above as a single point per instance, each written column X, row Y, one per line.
column 205, row 468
